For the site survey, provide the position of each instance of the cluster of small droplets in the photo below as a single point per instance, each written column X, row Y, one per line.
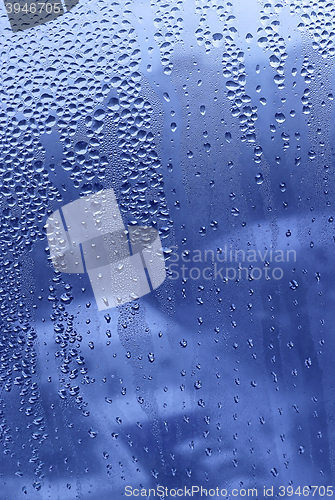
column 233, row 63
column 269, row 39
column 169, row 23
column 82, row 89
column 242, row 108
column 317, row 19
column 205, row 37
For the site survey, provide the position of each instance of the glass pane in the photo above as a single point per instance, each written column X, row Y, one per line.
column 166, row 231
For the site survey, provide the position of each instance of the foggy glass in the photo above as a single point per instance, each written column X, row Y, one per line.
column 212, row 122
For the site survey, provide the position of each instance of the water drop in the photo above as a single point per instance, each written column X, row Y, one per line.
column 259, row 178
column 280, row 117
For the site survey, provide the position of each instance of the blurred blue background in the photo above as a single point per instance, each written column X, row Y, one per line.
column 213, row 122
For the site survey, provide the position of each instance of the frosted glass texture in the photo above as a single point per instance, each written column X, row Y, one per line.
column 212, row 122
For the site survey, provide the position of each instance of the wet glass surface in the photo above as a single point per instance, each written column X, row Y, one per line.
column 212, row 122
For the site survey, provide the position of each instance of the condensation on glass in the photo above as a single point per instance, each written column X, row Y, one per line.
column 208, row 124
